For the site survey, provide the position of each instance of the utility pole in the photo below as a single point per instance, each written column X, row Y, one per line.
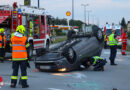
column 88, row 15
column 85, row 5
column 38, row 3
column 72, row 14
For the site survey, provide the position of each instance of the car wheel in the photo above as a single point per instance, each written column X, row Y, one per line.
column 30, row 51
column 47, row 46
column 98, row 34
column 70, row 55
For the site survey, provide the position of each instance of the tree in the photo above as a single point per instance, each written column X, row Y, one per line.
column 123, row 23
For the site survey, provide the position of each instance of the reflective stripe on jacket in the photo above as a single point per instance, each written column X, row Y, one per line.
column 112, row 40
column 124, row 38
column 2, row 41
column 96, row 58
column 19, row 48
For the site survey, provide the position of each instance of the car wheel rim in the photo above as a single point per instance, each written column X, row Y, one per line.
column 30, row 52
column 71, row 53
column 99, row 34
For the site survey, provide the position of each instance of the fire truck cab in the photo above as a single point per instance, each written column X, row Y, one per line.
column 108, row 30
column 35, row 21
column 119, row 32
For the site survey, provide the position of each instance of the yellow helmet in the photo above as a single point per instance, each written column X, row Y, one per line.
column 2, row 30
column 20, row 29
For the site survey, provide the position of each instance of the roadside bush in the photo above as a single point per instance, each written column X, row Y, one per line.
column 59, row 32
column 128, row 34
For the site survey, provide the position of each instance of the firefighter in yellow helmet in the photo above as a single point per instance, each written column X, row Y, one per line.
column 19, row 45
column 2, row 44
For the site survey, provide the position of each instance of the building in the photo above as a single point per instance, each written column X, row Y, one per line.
column 128, row 26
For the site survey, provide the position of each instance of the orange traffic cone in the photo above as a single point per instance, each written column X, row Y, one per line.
column 1, row 81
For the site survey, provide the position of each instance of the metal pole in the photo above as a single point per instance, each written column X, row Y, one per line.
column 85, row 5
column 88, row 16
column 38, row 3
column 72, row 14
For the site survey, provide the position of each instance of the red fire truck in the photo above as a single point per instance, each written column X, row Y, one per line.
column 108, row 30
column 35, row 21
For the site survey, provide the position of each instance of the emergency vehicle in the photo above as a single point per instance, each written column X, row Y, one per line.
column 108, row 30
column 119, row 32
column 35, row 21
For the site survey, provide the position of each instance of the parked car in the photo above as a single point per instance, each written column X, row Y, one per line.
column 72, row 53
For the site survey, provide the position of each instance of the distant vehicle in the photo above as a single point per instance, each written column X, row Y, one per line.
column 11, row 17
column 70, row 54
column 119, row 32
column 108, row 30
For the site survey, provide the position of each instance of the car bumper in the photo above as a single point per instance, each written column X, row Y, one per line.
column 57, row 65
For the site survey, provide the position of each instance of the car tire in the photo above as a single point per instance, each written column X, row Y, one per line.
column 70, row 54
column 30, row 51
column 97, row 32
column 47, row 46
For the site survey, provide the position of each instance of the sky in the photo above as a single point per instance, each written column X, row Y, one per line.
column 102, row 11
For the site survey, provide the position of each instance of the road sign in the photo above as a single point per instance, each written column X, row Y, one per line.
column 68, row 13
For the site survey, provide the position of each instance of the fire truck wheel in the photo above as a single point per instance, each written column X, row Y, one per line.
column 30, row 51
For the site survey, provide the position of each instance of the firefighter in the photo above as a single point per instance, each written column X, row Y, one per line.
column 124, row 42
column 98, row 63
column 31, row 28
column 113, row 47
column 19, row 45
column 2, row 44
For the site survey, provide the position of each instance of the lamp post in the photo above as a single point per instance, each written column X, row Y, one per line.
column 38, row 3
column 85, row 5
column 72, row 14
column 88, row 15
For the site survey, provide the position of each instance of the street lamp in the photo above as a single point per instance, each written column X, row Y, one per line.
column 85, row 5
column 88, row 15
column 72, row 14
column 38, row 3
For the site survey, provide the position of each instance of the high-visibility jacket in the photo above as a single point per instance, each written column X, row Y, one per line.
column 2, row 41
column 112, row 40
column 96, row 58
column 19, row 45
column 124, row 38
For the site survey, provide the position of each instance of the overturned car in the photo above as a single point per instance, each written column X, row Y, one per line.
column 72, row 53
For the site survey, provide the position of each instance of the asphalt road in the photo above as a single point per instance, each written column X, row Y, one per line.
column 113, row 77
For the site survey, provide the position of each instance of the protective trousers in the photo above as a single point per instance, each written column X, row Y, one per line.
column 2, row 54
column 113, row 51
column 23, row 67
column 124, row 48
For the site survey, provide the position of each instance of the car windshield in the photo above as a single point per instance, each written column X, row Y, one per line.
column 118, row 32
column 108, row 31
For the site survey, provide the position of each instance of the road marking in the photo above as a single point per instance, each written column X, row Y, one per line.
column 54, row 89
column 78, row 76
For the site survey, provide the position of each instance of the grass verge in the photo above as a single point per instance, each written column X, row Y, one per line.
column 60, row 39
column 128, row 48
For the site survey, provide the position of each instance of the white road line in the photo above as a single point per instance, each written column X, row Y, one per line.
column 54, row 89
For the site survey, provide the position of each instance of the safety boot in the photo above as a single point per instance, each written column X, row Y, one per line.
column 24, row 84
column 13, row 85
